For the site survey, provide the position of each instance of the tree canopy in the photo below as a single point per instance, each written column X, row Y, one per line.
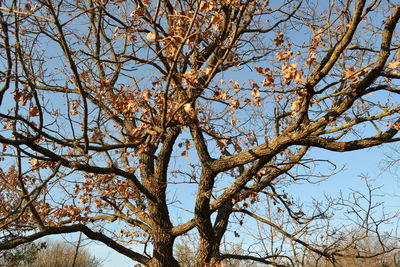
column 136, row 122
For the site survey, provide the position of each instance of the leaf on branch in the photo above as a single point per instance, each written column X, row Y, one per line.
column 349, row 71
column 74, row 107
column 84, row 75
column 279, row 40
column 188, row 108
column 34, row 111
column 237, row 148
column 191, row 77
column 396, row 126
column 8, row 125
column 310, row 60
column 291, row 73
column 222, row 144
column 28, row 6
column 233, row 121
column 151, row 36
column 34, row 162
column 97, row 134
column 207, row 6
column 394, row 65
column 234, row 104
column 185, row 154
column 282, row 56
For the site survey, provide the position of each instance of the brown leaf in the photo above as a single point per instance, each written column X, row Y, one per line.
column 188, row 108
column 34, row 111
column 28, row 6
column 151, row 36
column 278, row 40
column 394, row 65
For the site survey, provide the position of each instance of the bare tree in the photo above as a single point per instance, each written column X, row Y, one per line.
column 21, row 256
column 64, row 255
column 49, row 253
column 118, row 115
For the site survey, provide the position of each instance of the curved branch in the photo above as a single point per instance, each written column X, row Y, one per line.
column 72, row 229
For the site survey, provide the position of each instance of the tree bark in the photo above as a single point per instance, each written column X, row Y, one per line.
column 163, row 252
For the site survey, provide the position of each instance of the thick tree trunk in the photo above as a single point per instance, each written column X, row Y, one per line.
column 208, row 254
column 163, row 252
column 154, row 172
column 204, row 253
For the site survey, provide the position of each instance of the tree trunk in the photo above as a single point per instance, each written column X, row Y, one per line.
column 163, row 252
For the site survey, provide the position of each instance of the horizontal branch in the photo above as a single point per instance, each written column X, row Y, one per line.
column 338, row 146
column 72, row 229
column 79, row 166
column 253, row 258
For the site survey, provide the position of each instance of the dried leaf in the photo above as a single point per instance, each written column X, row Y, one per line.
column 279, row 40
column 151, row 36
column 34, row 111
column 394, row 65
column 188, row 108
column 28, row 6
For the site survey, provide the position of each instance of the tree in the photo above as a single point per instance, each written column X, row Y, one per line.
column 23, row 255
column 112, row 112
column 62, row 255
column 49, row 253
column 369, row 244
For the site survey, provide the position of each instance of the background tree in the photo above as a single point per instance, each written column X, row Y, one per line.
column 48, row 254
column 367, row 245
column 62, row 254
column 23, row 255
column 114, row 112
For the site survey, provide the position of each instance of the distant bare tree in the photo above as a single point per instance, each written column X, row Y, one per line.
column 48, row 254
column 62, row 254
column 23, row 255
column 367, row 245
